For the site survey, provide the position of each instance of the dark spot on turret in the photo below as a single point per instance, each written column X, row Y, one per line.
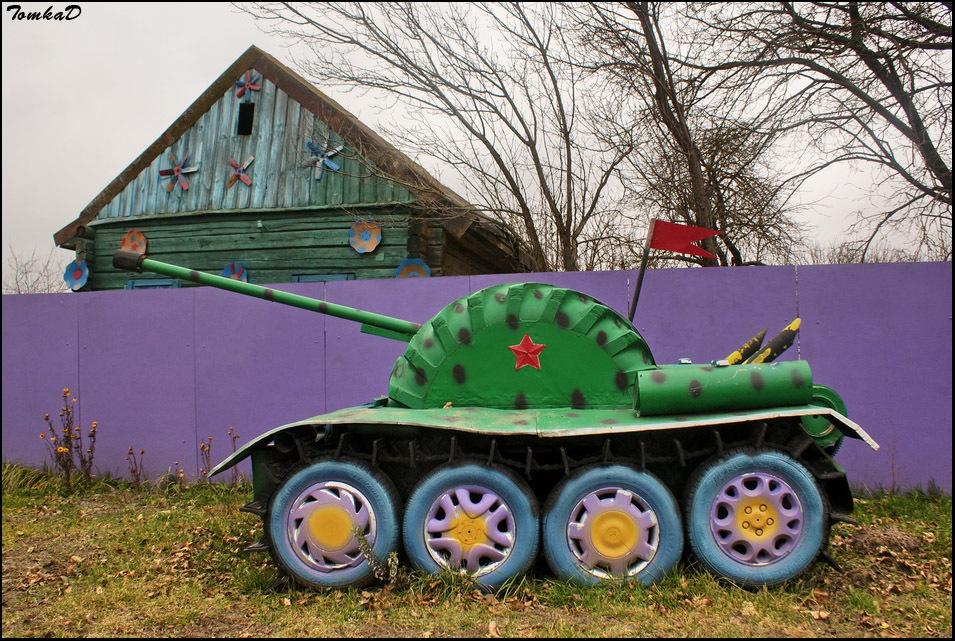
column 459, row 308
column 583, row 298
column 500, row 297
column 696, row 388
column 269, row 294
column 520, row 421
column 459, row 374
column 428, row 343
column 562, row 319
column 798, row 379
column 621, row 381
column 601, row 338
column 577, row 400
column 323, row 307
column 538, row 294
column 193, row 274
column 464, row 336
column 399, row 370
column 616, row 321
column 609, row 421
column 707, row 368
column 572, row 415
column 520, row 402
column 646, row 361
column 756, row 379
column 512, row 321
column 419, row 377
column 658, row 377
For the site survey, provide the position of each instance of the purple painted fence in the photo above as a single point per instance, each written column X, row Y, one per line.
column 162, row 370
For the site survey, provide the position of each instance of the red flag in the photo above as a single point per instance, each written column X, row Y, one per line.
column 679, row 238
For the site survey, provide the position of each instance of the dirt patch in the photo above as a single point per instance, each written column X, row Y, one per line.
column 881, row 540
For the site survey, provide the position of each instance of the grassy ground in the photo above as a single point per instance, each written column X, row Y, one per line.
column 115, row 561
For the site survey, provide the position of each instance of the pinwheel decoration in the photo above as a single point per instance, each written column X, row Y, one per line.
column 247, row 85
column 236, row 271
column 364, row 235
column 133, row 241
column 177, row 173
column 76, row 274
column 240, row 172
column 321, row 158
column 413, row 268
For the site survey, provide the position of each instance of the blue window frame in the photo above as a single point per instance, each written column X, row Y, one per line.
column 153, row 283
column 320, row 278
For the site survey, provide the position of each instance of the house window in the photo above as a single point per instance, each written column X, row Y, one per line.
column 153, row 283
column 246, row 115
column 320, row 278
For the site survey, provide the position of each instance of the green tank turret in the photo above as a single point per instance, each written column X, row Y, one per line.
column 526, row 419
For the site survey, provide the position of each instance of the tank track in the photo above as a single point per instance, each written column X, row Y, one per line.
column 544, row 462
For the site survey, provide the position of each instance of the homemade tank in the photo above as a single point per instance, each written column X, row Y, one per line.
column 527, row 419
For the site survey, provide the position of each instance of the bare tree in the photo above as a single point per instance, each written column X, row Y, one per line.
column 688, row 162
column 494, row 96
column 33, row 274
column 861, row 82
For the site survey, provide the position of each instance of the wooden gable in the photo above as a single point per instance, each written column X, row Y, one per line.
column 288, row 220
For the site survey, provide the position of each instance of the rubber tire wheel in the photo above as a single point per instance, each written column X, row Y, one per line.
column 382, row 498
column 708, row 481
column 511, row 489
column 571, row 490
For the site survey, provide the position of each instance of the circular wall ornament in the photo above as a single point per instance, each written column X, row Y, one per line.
column 133, row 241
column 413, row 268
column 236, row 271
column 364, row 236
column 76, row 274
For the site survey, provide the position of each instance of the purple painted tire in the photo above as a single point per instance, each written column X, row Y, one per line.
column 475, row 520
column 756, row 517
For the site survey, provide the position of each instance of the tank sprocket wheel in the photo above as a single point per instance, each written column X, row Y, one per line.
column 612, row 522
column 316, row 516
column 473, row 519
column 756, row 517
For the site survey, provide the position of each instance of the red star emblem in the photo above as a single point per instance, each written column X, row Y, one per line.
column 527, row 353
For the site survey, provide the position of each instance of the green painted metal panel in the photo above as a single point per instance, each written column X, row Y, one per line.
column 674, row 389
column 522, row 346
column 546, row 423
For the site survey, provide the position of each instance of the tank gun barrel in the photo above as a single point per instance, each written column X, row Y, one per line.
column 371, row 323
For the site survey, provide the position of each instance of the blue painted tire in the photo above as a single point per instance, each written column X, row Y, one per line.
column 735, row 538
column 612, row 523
column 475, row 519
column 312, row 517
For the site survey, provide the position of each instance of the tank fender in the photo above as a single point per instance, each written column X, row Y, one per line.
column 263, row 440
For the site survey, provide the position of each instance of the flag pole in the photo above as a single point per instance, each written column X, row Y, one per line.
column 643, row 268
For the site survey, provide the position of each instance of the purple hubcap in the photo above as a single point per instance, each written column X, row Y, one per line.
column 322, row 523
column 613, row 533
column 470, row 529
column 757, row 519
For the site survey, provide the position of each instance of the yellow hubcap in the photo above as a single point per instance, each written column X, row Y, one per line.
column 757, row 520
column 330, row 527
column 614, row 533
column 468, row 532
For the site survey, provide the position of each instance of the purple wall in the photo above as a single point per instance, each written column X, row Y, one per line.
column 161, row 370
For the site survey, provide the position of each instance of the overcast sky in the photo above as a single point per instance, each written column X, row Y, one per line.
column 83, row 98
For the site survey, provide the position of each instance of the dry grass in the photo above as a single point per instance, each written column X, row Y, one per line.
column 112, row 560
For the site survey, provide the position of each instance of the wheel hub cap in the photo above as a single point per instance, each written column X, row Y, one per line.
column 613, row 533
column 757, row 519
column 322, row 525
column 470, row 529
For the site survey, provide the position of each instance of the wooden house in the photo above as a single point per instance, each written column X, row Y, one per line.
column 266, row 174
